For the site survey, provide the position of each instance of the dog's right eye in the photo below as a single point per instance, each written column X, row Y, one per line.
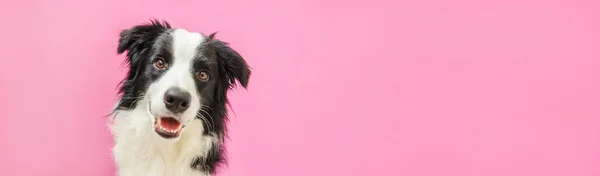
column 160, row 63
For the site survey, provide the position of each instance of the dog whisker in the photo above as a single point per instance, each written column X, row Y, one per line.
column 206, row 107
column 129, row 98
column 210, row 116
column 205, row 120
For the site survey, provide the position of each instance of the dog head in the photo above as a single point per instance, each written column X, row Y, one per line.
column 177, row 76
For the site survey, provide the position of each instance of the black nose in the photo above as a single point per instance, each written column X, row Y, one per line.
column 177, row 100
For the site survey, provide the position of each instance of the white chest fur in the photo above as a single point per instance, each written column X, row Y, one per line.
column 139, row 151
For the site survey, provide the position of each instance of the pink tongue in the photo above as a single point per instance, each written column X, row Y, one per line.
column 169, row 123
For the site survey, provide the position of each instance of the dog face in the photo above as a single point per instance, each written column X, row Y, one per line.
column 178, row 76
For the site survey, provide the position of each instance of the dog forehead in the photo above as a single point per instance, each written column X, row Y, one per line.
column 186, row 45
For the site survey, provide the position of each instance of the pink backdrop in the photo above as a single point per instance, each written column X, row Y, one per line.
column 352, row 88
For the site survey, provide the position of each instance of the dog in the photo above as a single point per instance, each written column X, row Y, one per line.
column 170, row 118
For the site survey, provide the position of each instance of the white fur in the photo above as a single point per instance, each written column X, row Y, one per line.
column 139, row 150
column 185, row 47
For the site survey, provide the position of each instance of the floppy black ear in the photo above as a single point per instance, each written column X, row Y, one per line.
column 141, row 36
column 136, row 41
column 232, row 63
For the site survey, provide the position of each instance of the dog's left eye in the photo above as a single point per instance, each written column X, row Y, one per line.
column 202, row 76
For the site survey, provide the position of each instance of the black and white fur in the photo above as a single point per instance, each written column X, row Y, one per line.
column 199, row 148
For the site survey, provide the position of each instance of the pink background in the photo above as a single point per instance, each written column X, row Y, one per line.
column 352, row 88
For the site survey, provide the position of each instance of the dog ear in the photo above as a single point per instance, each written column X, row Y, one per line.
column 138, row 37
column 136, row 41
column 233, row 64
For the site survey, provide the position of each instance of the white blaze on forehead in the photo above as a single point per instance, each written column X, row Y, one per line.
column 185, row 44
column 185, row 48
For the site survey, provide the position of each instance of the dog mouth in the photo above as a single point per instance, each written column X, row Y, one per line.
column 167, row 127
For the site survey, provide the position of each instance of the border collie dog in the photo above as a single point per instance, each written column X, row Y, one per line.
column 172, row 108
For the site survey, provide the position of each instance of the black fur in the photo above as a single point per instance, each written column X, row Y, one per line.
column 146, row 41
column 138, row 42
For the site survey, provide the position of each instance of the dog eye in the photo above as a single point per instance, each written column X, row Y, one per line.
column 160, row 63
column 202, row 76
